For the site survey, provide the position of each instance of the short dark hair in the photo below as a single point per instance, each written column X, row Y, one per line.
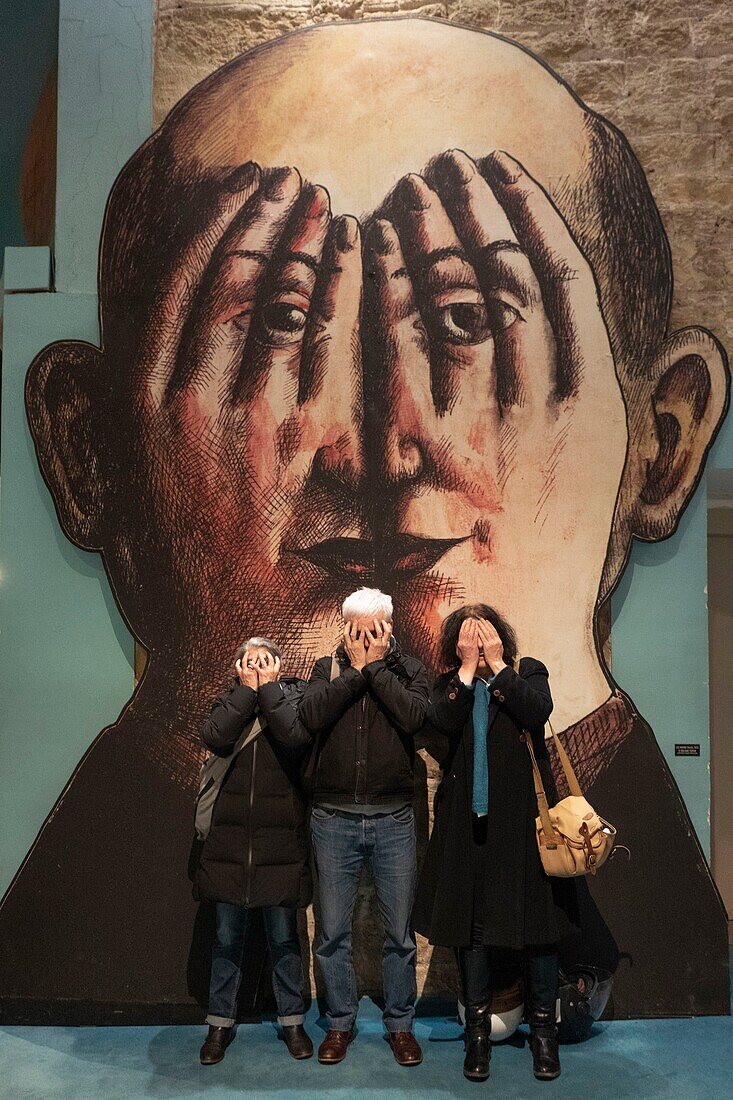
column 613, row 217
column 451, row 628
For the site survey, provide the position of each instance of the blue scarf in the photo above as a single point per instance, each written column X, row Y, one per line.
column 480, row 800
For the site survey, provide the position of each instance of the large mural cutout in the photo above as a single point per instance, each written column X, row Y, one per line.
column 380, row 303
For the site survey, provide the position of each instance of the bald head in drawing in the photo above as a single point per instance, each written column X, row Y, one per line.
column 381, row 303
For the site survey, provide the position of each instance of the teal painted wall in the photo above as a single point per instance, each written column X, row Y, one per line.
column 29, row 37
column 65, row 656
column 105, row 113
column 659, row 639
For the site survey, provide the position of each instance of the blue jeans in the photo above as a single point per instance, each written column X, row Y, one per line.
column 281, row 930
column 343, row 843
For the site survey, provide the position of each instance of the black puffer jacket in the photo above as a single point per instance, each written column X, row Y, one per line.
column 256, row 853
column 365, row 724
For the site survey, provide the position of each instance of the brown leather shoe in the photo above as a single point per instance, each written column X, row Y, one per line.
column 405, row 1048
column 334, row 1046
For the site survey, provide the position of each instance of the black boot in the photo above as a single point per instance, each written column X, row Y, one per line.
column 478, row 1041
column 297, row 1040
column 543, row 1044
column 541, row 1001
column 215, row 1044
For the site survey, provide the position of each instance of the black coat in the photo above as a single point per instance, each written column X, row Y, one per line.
column 256, row 853
column 515, row 901
column 654, row 917
column 365, row 725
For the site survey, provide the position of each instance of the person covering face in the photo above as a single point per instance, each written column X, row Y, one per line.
column 482, row 887
column 364, row 723
column 255, row 856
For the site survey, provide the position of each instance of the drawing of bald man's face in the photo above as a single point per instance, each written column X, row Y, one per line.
column 366, row 322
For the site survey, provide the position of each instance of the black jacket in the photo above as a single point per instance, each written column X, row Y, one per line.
column 502, row 884
column 256, row 852
column 365, row 724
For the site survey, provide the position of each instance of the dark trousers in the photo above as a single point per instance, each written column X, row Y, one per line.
column 540, row 975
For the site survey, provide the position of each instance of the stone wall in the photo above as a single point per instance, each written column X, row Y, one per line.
column 660, row 70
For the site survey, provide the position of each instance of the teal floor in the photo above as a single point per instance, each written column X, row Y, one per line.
column 670, row 1059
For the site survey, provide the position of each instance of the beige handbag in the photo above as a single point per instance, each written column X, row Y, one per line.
column 573, row 840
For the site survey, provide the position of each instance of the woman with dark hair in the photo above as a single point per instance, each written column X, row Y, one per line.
column 482, row 887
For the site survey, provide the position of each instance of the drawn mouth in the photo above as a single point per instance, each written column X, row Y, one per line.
column 402, row 556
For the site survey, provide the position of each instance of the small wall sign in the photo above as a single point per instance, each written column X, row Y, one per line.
column 687, row 750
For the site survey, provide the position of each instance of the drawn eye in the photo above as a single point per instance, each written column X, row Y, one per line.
column 471, row 320
column 462, row 323
column 282, row 323
column 501, row 315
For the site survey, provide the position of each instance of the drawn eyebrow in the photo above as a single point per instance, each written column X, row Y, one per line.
column 301, row 258
column 502, row 275
column 431, row 258
column 248, row 254
column 286, row 258
column 500, row 246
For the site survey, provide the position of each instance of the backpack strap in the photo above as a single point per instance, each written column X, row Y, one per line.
column 212, row 774
column 247, row 736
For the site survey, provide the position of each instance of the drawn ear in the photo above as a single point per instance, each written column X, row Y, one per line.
column 687, row 401
column 62, row 402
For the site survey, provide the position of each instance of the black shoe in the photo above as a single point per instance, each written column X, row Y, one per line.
column 216, row 1044
column 297, row 1041
column 478, row 1042
column 543, row 1044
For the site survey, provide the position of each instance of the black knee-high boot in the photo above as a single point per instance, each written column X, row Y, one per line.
column 541, row 996
column 478, row 1042
column 473, row 964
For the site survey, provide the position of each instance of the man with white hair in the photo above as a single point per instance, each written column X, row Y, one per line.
column 364, row 723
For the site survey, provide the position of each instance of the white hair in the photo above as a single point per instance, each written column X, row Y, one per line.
column 367, row 601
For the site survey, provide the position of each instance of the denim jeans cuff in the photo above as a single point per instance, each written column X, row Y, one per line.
column 341, row 1023
column 220, row 1021
column 291, row 1021
column 399, row 1025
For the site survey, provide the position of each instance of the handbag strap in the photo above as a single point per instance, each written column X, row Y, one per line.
column 539, row 789
column 567, row 767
